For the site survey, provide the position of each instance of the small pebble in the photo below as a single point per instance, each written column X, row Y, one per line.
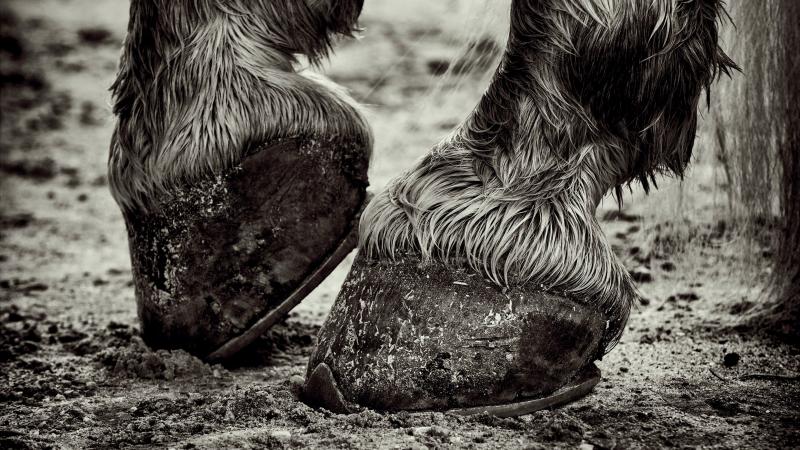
column 642, row 274
column 296, row 383
column 731, row 359
column 689, row 296
column 420, row 431
column 281, row 435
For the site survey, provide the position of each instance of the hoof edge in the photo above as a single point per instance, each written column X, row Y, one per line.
column 320, row 390
column 581, row 387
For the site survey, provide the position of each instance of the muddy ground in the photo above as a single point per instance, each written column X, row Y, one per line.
column 75, row 374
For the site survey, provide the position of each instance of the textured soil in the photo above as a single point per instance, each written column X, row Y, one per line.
column 74, row 372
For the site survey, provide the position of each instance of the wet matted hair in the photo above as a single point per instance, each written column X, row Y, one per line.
column 203, row 82
column 590, row 95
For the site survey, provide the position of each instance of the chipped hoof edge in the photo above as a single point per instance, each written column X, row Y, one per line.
column 583, row 384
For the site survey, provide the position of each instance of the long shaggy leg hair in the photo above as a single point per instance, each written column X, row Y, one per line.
column 590, row 95
column 202, row 82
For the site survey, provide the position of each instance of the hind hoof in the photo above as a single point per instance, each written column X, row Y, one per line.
column 220, row 262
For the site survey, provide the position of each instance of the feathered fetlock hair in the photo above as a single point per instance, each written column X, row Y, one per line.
column 203, row 82
column 590, row 95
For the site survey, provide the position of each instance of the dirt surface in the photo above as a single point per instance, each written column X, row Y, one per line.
column 75, row 374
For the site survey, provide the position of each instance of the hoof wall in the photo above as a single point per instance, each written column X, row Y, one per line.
column 224, row 257
column 407, row 335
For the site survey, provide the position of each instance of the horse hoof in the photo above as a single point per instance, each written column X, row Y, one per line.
column 219, row 262
column 409, row 335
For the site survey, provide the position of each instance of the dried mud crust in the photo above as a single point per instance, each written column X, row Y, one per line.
column 68, row 316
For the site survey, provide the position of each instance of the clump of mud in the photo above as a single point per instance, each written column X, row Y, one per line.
column 178, row 416
column 137, row 360
column 93, row 355
column 119, row 349
column 19, row 334
column 27, row 374
column 125, row 355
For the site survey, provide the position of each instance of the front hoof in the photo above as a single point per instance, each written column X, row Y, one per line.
column 410, row 335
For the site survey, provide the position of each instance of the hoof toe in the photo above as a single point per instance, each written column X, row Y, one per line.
column 321, row 390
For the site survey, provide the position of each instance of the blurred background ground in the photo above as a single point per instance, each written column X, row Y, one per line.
column 73, row 372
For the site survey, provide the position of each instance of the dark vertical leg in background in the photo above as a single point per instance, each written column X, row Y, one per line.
column 788, row 272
